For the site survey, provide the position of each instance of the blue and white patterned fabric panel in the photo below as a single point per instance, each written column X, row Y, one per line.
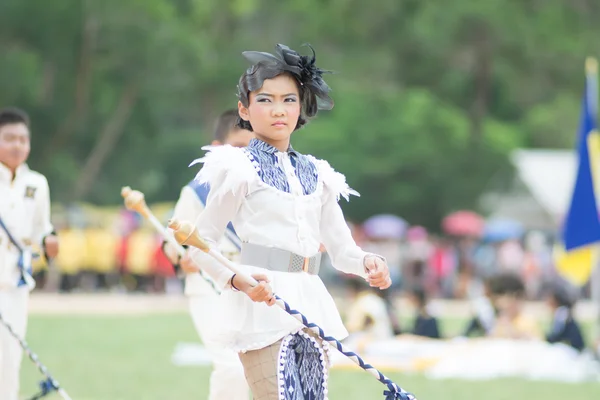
column 302, row 369
column 266, row 163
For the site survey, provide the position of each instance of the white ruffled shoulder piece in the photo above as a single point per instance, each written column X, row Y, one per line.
column 334, row 181
column 226, row 168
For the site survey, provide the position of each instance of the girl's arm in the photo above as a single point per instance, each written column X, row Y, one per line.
column 228, row 172
column 345, row 255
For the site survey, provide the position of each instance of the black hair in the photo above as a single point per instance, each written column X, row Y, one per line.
column 357, row 284
column 225, row 124
column 561, row 296
column 12, row 115
column 507, row 283
column 313, row 91
column 418, row 292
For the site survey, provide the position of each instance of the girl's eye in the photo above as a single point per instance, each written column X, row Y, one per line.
column 290, row 100
column 263, row 100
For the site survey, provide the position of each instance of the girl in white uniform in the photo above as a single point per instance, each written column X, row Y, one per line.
column 283, row 205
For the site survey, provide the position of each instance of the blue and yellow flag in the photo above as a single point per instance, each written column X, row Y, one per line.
column 582, row 223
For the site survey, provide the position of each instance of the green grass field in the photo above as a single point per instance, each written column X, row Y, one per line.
column 128, row 358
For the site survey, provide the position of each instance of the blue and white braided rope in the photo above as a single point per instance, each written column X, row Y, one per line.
column 50, row 383
column 394, row 391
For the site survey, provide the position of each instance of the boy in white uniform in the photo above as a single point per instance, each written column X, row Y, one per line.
column 24, row 221
column 227, row 380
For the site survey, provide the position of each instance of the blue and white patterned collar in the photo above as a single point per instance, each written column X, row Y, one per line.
column 259, row 145
column 265, row 160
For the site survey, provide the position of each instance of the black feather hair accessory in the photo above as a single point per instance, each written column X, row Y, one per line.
column 303, row 68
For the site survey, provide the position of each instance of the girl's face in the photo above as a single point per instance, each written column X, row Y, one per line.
column 273, row 110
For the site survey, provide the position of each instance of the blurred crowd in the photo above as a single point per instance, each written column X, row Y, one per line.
column 497, row 313
column 118, row 250
column 456, row 263
column 497, row 266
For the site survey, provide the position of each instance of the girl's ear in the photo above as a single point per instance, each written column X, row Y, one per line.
column 243, row 111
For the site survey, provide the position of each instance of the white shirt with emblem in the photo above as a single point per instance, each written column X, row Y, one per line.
column 25, row 210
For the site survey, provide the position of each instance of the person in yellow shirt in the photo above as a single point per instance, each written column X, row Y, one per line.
column 139, row 260
column 367, row 314
column 101, row 253
column 71, row 261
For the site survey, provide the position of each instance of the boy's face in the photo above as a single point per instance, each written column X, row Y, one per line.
column 14, row 144
column 236, row 138
column 239, row 138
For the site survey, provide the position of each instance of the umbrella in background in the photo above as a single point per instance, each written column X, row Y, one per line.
column 503, row 229
column 463, row 223
column 385, row 226
column 415, row 233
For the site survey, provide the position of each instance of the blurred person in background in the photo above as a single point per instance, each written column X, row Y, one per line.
column 139, row 258
column 482, row 323
column 512, row 323
column 418, row 253
column 101, row 261
column 24, row 221
column 424, row 324
column 125, row 223
column 537, row 264
column 465, row 252
column 367, row 314
column 486, row 259
column 227, row 379
column 72, row 259
column 163, row 267
column 443, row 265
column 564, row 328
column 511, row 256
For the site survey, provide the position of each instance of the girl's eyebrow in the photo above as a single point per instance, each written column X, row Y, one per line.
column 270, row 95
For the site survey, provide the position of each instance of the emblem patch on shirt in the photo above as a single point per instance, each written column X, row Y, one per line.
column 30, row 192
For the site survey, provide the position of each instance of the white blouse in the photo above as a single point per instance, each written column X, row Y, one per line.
column 296, row 213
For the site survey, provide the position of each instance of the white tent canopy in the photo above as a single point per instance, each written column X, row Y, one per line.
column 542, row 190
column 549, row 175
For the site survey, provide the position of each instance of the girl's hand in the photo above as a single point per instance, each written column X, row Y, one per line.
column 379, row 273
column 261, row 293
